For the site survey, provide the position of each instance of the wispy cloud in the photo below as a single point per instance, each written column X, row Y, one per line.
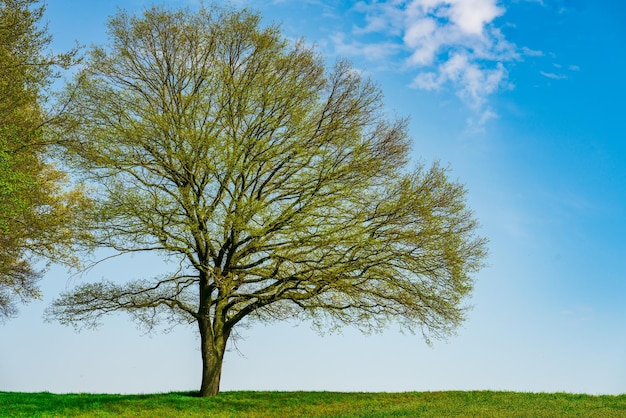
column 372, row 51
column 561, row 73
column 473, row 82
column 531, row 52
column 447, row 43
column 477, row 124
column 553, row 75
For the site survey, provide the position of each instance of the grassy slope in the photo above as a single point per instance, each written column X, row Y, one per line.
column 314, row 404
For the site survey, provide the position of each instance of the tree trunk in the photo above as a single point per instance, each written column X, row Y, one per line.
column 213, row 345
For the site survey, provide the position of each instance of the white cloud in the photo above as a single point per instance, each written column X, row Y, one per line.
column 428, row 81
column 473, row 83
column 472, row 15
column 371, row 51
column 477, row 124
column 531, row 52
column 447, row 43
column 553, row 75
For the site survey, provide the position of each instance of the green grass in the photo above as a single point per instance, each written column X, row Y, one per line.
column 314, row 404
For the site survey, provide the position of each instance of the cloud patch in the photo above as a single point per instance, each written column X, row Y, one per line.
column 553, row 76
column 447, row 43
column 473, row 82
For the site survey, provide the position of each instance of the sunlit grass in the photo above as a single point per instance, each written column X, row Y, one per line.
column 314, row 404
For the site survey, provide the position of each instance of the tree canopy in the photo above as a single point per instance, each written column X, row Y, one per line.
column 37, row 208
column 279, row 186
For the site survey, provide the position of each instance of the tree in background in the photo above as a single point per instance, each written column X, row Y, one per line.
column 278, row 187
column 37, row 210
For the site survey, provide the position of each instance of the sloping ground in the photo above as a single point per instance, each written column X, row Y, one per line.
column 314, row 404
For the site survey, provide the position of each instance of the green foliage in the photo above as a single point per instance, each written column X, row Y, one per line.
column 37, row 210
column 316, row 404
column 279, row 185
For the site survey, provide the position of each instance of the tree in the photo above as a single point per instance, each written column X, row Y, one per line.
column 37, row 208
column 278, row 186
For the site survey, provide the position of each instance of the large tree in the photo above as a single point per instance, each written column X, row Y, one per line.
column 37, row 209
column 278, row 186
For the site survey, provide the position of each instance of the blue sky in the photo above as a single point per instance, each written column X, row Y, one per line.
column 524, row 100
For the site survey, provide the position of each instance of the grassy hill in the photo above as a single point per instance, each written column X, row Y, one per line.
column 314, row 404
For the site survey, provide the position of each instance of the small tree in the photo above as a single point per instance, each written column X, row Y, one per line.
column 279, row 186
column 37, row 211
